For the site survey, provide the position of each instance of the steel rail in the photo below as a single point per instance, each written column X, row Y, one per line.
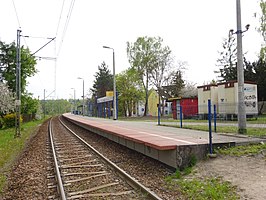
column 130, row 180
column 58, row 175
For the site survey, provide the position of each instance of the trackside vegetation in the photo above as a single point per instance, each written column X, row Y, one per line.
column 212, row 187
column 245, row 150
column 200, row 188
column 11, row 147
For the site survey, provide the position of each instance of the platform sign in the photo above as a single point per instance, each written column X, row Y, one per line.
column 109, row 93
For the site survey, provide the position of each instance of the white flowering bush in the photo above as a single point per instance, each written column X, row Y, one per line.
column 7, row 100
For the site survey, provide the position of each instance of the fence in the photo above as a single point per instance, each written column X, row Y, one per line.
column 224, row 111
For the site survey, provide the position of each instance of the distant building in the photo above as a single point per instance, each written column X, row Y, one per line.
column 153, row 101
column 225, row 97
column 189, row 107
column 206, row 92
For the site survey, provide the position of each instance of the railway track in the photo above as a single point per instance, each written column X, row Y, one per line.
column 81, row 172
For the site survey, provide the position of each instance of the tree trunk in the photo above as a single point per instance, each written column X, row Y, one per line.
column 129, row 107
column 125, row 110
column 146, row 111
column 162, row 107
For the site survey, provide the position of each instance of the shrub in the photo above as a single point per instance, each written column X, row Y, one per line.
column 9, row 120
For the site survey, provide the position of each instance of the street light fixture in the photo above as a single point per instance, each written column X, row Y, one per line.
column 114, row 83
column 83, row 102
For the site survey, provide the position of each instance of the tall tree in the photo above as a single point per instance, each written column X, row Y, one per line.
column 131, row 90
column 173, row 81
column 189, row 90
column 103, row 81
column 262, row 28
column 227, row 60
column 149, row 58
column 8, row 65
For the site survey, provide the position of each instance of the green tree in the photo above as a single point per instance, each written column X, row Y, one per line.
column 29, row 104
column 103, row 81
column 8, row 65
column 56, row 106
column 227, row 60
column 173, row 89
column 256, row 72
column 262, row 28
column 149, row 58
column 130, row 90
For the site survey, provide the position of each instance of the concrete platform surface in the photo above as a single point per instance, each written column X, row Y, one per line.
column 161, row 136
column 158, row 142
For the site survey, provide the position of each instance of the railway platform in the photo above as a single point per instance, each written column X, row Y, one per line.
column 171, row 146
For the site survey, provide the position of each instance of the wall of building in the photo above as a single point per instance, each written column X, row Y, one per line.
column 225, row 97
column 205, row 93
column 153, row 101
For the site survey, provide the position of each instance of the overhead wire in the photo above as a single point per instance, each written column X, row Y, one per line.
column 19, row 24
column 59, row 20
column 66, row 26
column 16, row 14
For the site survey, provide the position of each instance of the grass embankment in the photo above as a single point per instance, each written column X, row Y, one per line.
column 11, row 147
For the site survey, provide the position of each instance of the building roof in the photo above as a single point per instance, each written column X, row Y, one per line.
column 222, row 83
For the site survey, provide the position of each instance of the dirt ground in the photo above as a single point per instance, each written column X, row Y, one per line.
column 248, row 173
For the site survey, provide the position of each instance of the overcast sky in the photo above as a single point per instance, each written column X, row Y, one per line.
column 194, row 31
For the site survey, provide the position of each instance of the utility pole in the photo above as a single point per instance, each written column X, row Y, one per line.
column 240, row 74
column 18, row 86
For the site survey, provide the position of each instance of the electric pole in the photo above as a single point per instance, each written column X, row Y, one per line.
column 18, row 86
column 240, row 74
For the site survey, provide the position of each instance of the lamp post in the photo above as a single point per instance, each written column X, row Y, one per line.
column 74, row 100
column 114, row 84
column 83, row 103
column 240, row 71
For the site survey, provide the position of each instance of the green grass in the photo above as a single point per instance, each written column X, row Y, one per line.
column 209, row 188
column 251, row 149
column 10, row 147
column 257, row 132
column 201, row 189
column 260, row 120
